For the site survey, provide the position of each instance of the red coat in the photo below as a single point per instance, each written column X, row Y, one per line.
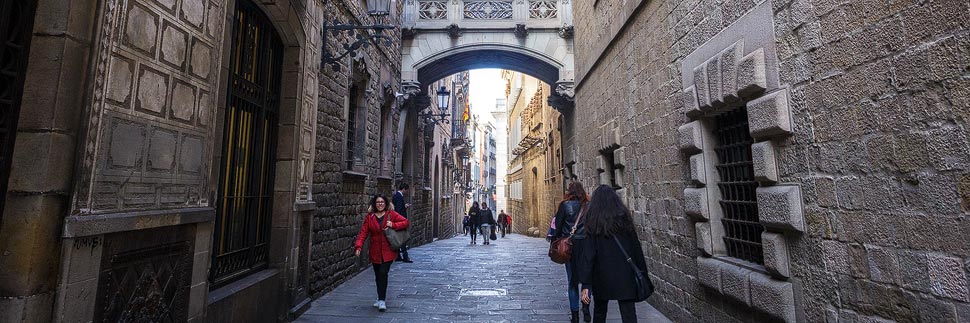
column 380, row 250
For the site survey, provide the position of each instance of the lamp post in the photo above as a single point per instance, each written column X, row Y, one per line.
column 361, row 34
column 438, row 118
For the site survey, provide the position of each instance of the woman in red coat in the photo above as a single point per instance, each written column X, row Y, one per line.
column 380, row 216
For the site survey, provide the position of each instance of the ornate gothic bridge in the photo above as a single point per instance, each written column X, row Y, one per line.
column 443, row 37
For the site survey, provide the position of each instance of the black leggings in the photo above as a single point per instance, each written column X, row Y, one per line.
column 380, row 274
column 628, row 310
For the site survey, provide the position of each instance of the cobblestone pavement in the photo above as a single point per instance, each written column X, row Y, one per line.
column 521, row 283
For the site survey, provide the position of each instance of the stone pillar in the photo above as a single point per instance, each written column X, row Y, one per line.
column 42, row 165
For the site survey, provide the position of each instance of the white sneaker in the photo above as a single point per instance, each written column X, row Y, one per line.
column 382, row 306
column 377, row 303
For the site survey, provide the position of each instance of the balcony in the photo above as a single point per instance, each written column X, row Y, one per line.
column 527, row 142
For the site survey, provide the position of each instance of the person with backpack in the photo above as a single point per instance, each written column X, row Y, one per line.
column 611, row 261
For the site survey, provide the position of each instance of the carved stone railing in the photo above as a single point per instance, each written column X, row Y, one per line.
column 438, row 14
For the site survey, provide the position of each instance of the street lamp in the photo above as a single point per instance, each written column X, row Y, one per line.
column 438, row 118
column 361, row 34
column 443, row 96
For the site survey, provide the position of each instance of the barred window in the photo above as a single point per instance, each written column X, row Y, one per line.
column 242, row 227
column 739, row 205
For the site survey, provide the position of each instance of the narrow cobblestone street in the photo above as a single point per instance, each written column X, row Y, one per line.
column 521, row 284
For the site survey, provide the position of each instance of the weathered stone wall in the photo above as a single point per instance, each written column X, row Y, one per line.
column 877, row 146
column 342, row 194
column 541, row 181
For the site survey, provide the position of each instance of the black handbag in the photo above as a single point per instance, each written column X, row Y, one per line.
column 396, row 238
column 644, row 285
column 492, row 234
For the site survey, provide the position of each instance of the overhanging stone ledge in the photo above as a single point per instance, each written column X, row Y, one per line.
column 88, row 225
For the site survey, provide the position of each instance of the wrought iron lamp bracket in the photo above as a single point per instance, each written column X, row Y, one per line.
column 436, row 118
column 362, row 39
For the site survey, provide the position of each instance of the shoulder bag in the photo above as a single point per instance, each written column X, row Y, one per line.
column 396, row 238
column 644, row 285
column 561, row 250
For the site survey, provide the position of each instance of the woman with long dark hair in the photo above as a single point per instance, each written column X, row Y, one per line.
column 602, row 264
column 473, row 220
column 380, row 215
column 568, row 223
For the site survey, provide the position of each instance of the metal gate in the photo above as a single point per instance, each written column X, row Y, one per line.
column 241, row 234
column 16, row 23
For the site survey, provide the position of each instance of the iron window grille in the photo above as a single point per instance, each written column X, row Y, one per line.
column 352, row 128
column 16, row 24
column 739, row 205
column 241, row 235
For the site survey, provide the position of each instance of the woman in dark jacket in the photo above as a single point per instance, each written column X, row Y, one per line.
column 602, row 264
column 568, row 217
column 379, row 217
column 473, row 221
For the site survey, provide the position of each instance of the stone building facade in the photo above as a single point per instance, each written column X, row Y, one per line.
column 535, row 183
column 187, row 160
column 786, row 160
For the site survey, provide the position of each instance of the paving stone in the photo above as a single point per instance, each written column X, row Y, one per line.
column 429, row 288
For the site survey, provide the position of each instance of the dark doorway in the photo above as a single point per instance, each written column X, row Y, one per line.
column 16, row 24
column 244, row 205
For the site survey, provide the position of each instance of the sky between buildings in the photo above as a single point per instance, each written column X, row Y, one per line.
column 485, row 85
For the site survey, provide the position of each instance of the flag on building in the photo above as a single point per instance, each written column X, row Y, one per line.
column 464, row 115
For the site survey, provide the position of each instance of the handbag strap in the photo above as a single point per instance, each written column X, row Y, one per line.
column 582, row 210
column 626, row 255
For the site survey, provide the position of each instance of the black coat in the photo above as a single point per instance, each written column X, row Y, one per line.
column 473, row 213
column 399, row 204
column 566, row 217
column 602, row 265
column 485, row 216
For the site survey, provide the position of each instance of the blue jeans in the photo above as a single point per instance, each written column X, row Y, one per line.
column 572, row 288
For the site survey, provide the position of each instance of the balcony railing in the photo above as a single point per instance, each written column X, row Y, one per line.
column 435, row 14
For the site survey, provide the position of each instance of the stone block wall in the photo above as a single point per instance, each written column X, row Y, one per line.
column 341, row 194
column 874, row 140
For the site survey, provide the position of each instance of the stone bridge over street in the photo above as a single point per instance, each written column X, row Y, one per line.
column 443, row 37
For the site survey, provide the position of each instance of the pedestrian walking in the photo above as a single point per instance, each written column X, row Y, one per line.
column 485, row 220
column 465, row 225
column 378, row 218
column 568, row 223
column 473, row 220
column 503, row 222
column 401, row 207
column 605, row 262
